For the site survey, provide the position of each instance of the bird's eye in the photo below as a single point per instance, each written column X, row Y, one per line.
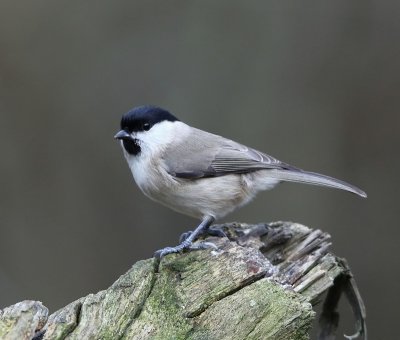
column 146, row 126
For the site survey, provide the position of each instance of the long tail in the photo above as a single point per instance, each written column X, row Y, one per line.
column 314, row 179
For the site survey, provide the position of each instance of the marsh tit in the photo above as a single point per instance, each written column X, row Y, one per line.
column 200, row 174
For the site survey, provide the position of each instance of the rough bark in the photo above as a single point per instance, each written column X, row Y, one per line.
column 262, row 283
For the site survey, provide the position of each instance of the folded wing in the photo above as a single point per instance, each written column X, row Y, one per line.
column 209, row 155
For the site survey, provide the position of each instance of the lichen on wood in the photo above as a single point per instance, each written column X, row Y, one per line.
column 261, row 283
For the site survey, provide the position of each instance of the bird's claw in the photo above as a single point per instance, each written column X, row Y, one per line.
column 207, row 232
column 184, row 236
column 165, row 251
column 159, row 254
column 203, row 245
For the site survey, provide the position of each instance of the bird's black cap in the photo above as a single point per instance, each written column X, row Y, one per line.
column 142, row 118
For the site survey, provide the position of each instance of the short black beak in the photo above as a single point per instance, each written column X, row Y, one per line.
column 123, row 135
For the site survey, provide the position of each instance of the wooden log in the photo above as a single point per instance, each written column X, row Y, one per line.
column 261, row 283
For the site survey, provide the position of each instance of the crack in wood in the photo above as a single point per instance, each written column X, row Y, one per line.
column 244, row 284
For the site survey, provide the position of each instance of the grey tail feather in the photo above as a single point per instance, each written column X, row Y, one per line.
column 314, row 178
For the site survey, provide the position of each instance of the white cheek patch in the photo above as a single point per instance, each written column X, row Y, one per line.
column 152, row 143
column 160, row 135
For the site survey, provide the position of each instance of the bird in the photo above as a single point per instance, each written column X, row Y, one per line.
column 201, row 174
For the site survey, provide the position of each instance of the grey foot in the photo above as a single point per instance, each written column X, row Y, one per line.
column 189, row 239
column 207, row 232
column 184, row 246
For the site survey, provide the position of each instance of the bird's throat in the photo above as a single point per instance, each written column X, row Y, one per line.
column 132, row 146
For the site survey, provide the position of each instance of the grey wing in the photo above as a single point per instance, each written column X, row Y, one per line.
column 237, row 158
column 209, row 155
column 240, row 159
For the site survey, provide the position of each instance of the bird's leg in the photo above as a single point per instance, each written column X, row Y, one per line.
column 187, row 243
column 206, row 232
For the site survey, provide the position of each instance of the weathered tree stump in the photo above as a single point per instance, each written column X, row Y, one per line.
column 262, row 283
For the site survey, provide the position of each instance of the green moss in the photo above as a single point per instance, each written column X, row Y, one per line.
column 179, row 263
column 250, row 313
column 5, row 326
column 223, row 309
column 161, row 317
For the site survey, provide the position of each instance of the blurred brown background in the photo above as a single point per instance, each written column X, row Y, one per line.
column 315, row 84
